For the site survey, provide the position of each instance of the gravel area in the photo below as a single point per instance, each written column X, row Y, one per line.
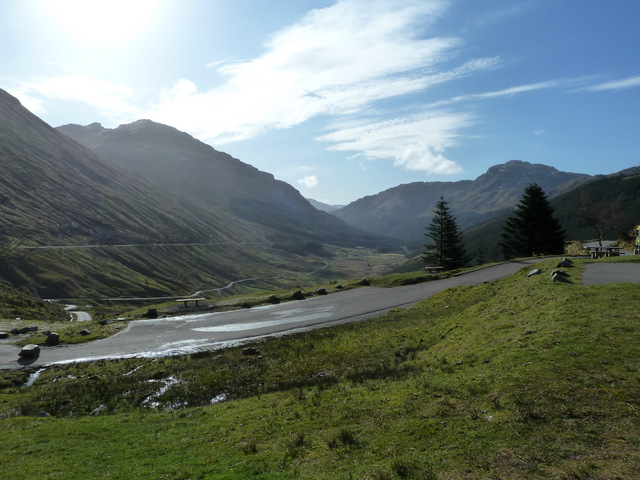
column 597, row 273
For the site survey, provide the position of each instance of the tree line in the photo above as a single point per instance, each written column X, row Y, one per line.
column 531, row 230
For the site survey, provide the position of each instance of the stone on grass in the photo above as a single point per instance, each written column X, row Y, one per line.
column 365, row 282
column 533, row 272
column 322, row 291
column 565, row 263
column 560, row 278
column 53, row 339
column 298, row 295
column 559, row 272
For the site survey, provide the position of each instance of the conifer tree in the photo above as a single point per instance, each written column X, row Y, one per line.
column 533, row 228
column 447, row 248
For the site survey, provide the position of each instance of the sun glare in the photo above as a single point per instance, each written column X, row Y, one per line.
column 103, row 22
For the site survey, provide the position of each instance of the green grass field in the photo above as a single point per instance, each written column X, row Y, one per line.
column 520, row 378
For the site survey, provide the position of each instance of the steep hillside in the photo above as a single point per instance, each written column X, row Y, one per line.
column 405, row 211
column 197, row 171
column 55, row 192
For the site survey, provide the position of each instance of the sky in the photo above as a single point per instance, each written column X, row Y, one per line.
column 348, row 98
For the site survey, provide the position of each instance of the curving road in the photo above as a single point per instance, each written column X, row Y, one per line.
column 186, row 334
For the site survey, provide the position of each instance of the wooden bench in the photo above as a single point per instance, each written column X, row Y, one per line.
column 603, row 252
column 187, row 300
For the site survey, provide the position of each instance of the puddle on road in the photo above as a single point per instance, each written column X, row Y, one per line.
column 296, row 315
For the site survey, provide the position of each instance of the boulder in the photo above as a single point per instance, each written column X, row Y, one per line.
column 559, row 272
column 298, row 295
column 30, row 351
column 365, row 282
column 533, row 272
column 560, row 278
column 274, row 299
column 565, row 263
column 322, row 291
column 4, row 334
column 84, row 332
column 53, row 339
column 151, row 313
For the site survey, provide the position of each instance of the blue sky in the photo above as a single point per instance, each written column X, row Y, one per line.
column 343, row 99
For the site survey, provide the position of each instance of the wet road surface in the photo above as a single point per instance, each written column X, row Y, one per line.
column 187, row 334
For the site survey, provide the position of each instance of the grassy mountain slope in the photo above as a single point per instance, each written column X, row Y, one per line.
column 404, row 211
column 197, row 171
column 54, row 191
column 520, row 378
column 619, row 191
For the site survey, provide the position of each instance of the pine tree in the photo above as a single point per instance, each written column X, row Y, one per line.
column 447, row 249
column 533, row 228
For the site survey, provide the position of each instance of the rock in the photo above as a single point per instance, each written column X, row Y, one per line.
column 565, row 263
column 21, row 331
column 365, row 282
column 151, row 313
column 105, row 321
column 84, row 332
column 53, row 339
column 245, row 304
column 274, row 299
column 560, row 278
column 43, row 415
column 533, row 272
column 298, row 295
column 250, row 351
column 30, row 351
column 559, row 272
column 4, row 334
column 322, row 291
column 339, row 287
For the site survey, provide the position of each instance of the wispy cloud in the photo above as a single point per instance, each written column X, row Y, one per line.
column 107, row 97
column 417, row 142
column 623, row 84
column 336, row 60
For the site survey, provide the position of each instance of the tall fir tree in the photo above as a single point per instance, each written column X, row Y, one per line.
column 532, row 229
column 447, row 248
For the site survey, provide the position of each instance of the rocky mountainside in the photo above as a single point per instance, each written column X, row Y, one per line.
column 55, row 192
column 404, row 211
column 195, row 170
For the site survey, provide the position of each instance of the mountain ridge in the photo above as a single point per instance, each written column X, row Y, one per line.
column 407, row 209
column 195, row 170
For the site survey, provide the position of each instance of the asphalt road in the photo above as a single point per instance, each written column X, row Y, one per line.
column 186, row 334
column 603, row 272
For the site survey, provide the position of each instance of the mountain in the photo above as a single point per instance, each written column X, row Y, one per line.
column 404, row 211
column 324, row 206
column 184, row 165
column 56, row 193
column 611, row 200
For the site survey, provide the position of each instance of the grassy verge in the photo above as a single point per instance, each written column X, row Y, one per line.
column 518, row 378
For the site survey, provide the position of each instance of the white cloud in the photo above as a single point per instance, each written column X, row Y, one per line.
column 336, row 60
column 417, row 142
column 108, row 97
column 623, row 84
column 539, row 132
column 309, row 181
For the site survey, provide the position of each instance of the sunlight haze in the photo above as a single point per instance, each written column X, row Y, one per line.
column 346, row 98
